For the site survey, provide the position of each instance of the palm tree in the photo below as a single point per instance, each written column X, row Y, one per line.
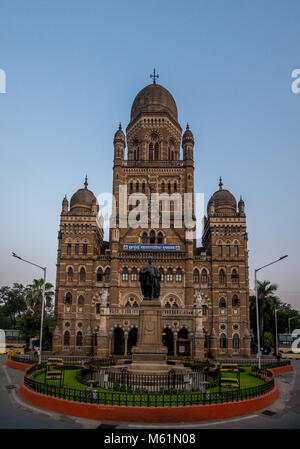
column 267, row 303
column 34, row 296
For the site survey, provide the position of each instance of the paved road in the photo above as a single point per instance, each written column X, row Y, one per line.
column 15, row 413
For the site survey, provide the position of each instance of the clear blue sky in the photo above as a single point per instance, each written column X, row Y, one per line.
column 73, row 69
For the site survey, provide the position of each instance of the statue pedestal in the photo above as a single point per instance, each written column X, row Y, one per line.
column 150, row 355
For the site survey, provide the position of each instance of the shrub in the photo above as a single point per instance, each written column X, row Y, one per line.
column 116, row 386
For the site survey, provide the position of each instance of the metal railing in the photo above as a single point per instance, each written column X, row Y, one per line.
column 171, row 398
column 108, row 379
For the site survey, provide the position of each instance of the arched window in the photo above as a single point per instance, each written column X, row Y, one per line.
column 196, row 276
column 222, row 303
column 161, row 271
column 67, row 338
column 222, row 277
column 234, row 276
column 131, row 187
column 135, row 304
column 134, row 155
column 236, row 250
column 227, row 250
column 69, row 247
column 235, row 341
column 138, row 153
column 76, row 249
column 235, row 301
column 152, row 237
column 175, row 305
column 156, row 151
column 145, row 238
column 107, row 275
column 223, row 341
column 99, row 275
column 81, row 300
column 150, row 151
column 169, row 187
column 79, row 339
column 125, row 274
column 143, row 187
column 137, row 186
column 128, row 305
column 134, row 274
column 70, row 274
column 168, row 305
column 219, row 250
column 84, row 249
column 169, row 275
column 68, row 299
column 82, row 275
column 175, row 187
column 204, row 276
column 160, row 238
column 162, row 187
column 204, row 310
column 178, row 275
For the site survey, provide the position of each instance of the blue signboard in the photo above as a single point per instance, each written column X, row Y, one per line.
column 161, row 248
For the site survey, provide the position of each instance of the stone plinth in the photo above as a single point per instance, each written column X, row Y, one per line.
column 150, row 355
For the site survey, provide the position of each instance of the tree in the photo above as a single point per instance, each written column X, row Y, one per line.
column 267, row 303
column 268, row 340
column 34, row 297
column 29, row 322
column 13, row 303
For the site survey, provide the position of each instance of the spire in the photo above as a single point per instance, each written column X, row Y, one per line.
column 85, row 182
column 154, row 76
column 220, row 183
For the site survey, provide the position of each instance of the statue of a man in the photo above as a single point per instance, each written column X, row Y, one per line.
column 150, row 281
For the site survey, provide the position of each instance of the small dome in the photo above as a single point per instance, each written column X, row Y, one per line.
column 83, row 197
column 154, row 98
column 188, row 135
column 223, row 200
column 119, row 135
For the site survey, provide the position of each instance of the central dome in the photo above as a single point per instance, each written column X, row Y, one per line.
column 154, row 98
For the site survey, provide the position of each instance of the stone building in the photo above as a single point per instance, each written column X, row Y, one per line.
column 204, row 290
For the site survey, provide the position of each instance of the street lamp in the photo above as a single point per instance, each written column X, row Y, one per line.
column 43, row 301
column 276, row 310
column 257, row 311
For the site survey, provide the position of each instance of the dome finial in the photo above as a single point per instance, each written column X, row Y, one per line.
column 220, row 183
column 187, row 126
column 120, row 126
column 154, row 76
column 86, row 182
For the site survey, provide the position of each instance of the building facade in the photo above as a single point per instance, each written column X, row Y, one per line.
column 204, row 290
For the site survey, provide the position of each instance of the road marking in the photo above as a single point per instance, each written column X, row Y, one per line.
column 183, row 426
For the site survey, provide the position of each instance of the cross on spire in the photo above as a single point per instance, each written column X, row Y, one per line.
column 154, row 76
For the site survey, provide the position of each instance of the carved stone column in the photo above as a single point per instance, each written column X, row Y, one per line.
column 175, row 335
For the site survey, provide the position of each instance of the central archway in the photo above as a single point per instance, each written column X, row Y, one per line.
column 119, row 341
column 132, row 340
column 168, row 341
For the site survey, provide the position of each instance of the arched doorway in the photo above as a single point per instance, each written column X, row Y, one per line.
column 183, row 343
column 132, row 340
column 167, row 339
column 119, row 341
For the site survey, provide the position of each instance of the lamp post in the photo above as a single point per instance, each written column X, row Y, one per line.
column 257, row 311
column 276, row 310
column 43, row 301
